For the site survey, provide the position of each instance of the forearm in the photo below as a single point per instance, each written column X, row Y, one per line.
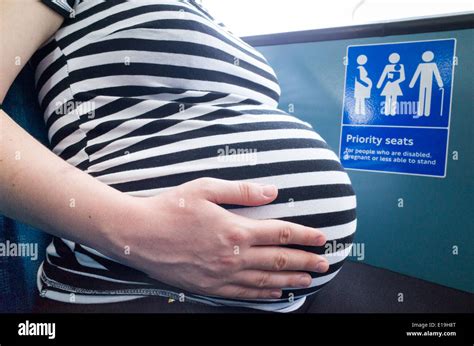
column 39, row 188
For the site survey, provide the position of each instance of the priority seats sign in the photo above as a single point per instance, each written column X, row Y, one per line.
column 397, row 105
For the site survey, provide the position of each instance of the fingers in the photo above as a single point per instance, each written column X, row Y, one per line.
column 242, row 292
column 275, row 258
column 276, row 232
column 235, row 192
column 268, row 279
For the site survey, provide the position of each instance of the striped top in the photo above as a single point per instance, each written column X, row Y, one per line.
column 146, row 95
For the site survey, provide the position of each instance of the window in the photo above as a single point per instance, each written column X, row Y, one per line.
column 256, row 17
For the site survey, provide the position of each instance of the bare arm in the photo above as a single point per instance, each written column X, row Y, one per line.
column 36, row 186
column 24, row 26
column 43, row 190
column 191, row 247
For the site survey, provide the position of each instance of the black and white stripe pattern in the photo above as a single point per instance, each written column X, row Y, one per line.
column 169, row 89
column 63, row 7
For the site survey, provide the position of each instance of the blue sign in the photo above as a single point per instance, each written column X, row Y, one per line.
column 397, row 104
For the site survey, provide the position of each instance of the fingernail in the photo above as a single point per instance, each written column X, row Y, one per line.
column 322, row 266
column 269, row 191
column 305, row 281
column 275, row 294
column 321, row 240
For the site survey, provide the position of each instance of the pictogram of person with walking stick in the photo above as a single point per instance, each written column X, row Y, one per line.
column 425, row 72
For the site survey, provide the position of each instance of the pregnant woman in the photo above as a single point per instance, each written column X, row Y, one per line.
column 149, row 106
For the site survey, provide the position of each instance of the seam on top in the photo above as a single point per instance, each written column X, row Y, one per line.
column 74, row 98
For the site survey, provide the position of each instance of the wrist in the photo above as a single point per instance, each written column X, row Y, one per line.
column 119, row 222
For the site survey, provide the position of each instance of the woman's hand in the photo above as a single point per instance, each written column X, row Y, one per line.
column 181, row 237
column 184, row 238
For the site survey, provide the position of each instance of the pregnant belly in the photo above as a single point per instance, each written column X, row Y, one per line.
column 314, row 189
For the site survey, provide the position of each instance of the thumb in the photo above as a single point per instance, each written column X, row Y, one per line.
column 221, row 191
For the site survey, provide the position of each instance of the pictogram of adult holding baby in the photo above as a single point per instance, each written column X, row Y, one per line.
column 391, row 77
